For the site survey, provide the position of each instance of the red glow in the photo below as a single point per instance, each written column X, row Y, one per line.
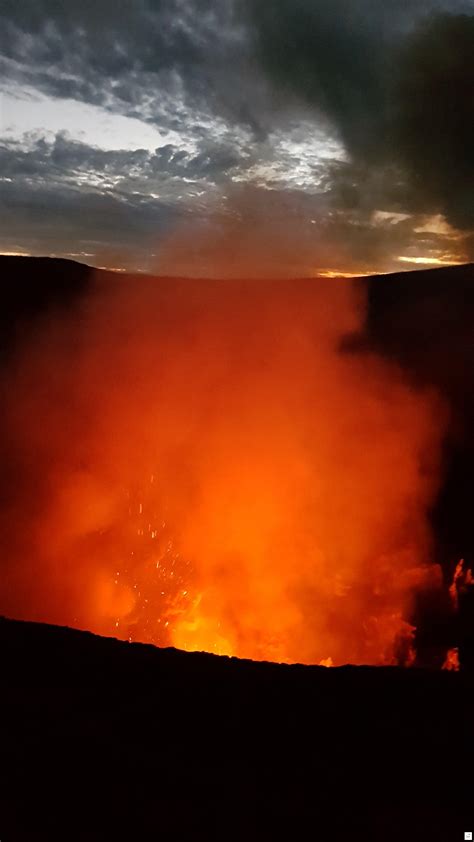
column 451, row 663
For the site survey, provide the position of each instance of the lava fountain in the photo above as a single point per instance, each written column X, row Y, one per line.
column 210, row 465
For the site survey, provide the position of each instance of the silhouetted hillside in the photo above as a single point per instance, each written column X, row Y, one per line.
column 31, row 286
column 106, row 740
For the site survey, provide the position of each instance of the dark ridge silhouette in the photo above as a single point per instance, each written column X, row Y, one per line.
column 30, row 286
column 105, row 740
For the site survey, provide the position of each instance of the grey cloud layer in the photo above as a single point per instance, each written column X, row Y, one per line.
column 146, row 59
column 393, row 81
column 65, row 197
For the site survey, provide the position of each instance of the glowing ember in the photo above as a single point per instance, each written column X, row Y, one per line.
column 326, row 662
column 200, row 464
column 452, row 661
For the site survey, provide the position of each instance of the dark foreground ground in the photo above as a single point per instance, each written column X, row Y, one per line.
column 107, row 740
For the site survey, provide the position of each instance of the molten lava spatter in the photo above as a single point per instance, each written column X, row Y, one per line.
column 207, row 465
column 452, row 661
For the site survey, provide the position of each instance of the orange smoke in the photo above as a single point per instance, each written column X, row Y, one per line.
column 202, row 464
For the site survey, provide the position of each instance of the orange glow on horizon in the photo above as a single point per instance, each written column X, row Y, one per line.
column 431, row 261
column 330, row 273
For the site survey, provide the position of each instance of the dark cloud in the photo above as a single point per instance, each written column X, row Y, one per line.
column 434, row 122
column 396, row 80
column 327, row 55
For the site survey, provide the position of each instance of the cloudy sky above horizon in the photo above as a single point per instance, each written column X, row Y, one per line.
column 291, row 137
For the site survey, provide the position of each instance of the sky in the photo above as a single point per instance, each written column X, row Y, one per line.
column 238, row 137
